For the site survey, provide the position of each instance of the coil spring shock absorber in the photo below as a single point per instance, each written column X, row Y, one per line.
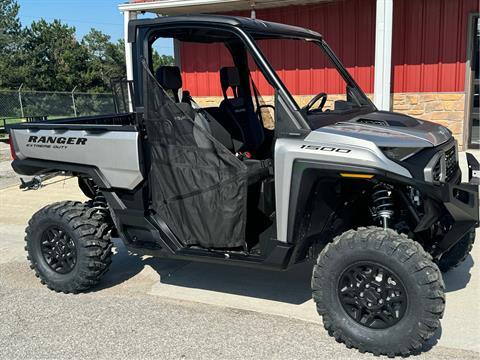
column 382, row 203
column 91, row 190
column 99, row 200
column 100, row 203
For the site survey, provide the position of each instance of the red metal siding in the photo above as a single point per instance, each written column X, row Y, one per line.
column 301, row 72
column 200, row 64
column 429, row 48
column 429, row 45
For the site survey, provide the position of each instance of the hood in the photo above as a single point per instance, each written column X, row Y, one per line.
column 387, row 129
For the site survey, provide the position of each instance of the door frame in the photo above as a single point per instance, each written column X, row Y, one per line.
column 469, row 83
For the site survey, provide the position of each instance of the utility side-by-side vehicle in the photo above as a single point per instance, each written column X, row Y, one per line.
column 374, row 198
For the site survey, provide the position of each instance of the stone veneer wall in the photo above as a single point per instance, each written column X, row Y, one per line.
column 302, row 100
column 447, row 109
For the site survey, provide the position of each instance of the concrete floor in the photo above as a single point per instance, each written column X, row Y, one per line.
column 147, row 307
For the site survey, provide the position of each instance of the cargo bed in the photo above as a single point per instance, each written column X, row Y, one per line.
column 106, row 145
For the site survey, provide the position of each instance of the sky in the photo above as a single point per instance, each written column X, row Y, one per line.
column 102, row 15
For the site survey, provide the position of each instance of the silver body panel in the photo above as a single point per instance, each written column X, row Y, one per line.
column 361, row 142
column 114, row 153
column 426, row 134
column 361, row 152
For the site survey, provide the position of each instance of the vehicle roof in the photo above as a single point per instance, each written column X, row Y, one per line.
column 260, row 28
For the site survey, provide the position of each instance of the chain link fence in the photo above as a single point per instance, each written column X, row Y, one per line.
column 19, row 105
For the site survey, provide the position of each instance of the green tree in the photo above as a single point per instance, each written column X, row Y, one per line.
column 47, row 55
column 106, row 60
column 10, row 44
column 10, row 26
column 55, row 58
column 159, row 60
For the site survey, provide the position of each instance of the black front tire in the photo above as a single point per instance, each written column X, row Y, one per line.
column 419, row 277
column 457, row 254
column 87, row 231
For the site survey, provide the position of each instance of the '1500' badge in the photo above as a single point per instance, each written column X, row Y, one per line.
column 325, row 148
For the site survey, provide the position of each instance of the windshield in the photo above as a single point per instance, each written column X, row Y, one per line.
column 322, row 87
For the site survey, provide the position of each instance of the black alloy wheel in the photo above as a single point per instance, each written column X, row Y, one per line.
column 59, row 250
column 372, row 295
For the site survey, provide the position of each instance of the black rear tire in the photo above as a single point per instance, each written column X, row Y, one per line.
column 68, row 245
column 457, row 254
column 418, row 298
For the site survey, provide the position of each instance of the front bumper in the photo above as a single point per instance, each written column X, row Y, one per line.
column 473, row 170
column 462, row 203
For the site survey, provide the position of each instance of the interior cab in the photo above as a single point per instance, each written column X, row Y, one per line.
column 231, row 140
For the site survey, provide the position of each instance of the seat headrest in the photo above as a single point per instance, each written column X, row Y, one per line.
column 169, row 77
column 229, row 76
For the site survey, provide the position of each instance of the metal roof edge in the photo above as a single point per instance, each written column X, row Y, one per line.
column 150, row 5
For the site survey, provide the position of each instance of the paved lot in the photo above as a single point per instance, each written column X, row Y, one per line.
column 7, row 176
column 146, row 308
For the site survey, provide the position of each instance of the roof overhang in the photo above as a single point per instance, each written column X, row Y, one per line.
column 177, row 7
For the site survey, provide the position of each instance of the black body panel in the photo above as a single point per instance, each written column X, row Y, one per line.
column 417, row 163
column 33, row 167
column 386, row 118
column 460, row 201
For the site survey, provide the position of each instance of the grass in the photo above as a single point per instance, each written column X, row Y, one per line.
column 9, row 121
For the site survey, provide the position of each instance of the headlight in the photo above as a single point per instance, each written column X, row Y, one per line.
column 399, row 153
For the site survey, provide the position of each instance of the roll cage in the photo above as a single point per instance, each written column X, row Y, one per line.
column 289, row 118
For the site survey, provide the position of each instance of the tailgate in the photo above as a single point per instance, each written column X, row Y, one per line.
column 114, row 152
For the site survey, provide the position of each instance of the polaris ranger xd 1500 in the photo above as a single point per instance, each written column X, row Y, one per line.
column 374, row 198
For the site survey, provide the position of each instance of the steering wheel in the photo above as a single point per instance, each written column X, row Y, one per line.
column 312, row 102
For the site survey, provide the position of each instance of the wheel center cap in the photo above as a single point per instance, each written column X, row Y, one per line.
column 372, row 296
column 57, row 248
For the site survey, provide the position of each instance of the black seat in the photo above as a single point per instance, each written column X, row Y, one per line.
column 170, row 79
column 242, row 121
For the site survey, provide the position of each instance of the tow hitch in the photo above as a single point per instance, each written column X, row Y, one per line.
column 36, row 182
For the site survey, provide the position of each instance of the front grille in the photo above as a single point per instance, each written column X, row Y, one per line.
column 443, row 166
column 451, row 164
column 437, row 171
